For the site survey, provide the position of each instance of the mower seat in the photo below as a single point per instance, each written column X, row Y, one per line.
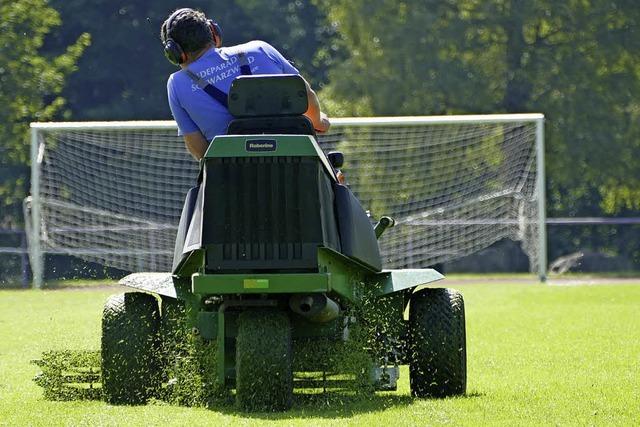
column 269, row 104
column 284, row 125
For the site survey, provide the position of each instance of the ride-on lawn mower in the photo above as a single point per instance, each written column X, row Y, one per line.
column 277, row 281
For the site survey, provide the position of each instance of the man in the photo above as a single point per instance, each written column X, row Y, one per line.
column 195, row 44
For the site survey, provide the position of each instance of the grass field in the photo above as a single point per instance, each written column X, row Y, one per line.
column 537, row 355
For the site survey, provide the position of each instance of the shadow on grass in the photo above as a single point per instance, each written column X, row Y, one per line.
column 332, row 405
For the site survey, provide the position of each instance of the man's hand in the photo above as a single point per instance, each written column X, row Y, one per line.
column 325, row 124
column 318, row 118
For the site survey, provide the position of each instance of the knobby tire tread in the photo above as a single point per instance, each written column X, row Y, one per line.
column 264, row 378
column 438, row 343
column 130, row 348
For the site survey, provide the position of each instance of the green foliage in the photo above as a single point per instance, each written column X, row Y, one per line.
column 300, row 30
column 30, row 88
column 123, row 73
column 574, row 61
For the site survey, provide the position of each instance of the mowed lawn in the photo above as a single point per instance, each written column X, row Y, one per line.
column 537, row 355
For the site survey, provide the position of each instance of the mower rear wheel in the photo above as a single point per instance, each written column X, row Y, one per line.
column 264, row 378
column 130, row 348
column 437, row 348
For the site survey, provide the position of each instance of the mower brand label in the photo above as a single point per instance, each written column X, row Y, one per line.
column 260, row 145
column 256, row 284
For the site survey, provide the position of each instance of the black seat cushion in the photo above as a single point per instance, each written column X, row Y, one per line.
column 294, row 125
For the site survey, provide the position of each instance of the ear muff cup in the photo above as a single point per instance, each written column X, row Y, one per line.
column 174, row 52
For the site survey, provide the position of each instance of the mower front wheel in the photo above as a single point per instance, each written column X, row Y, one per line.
column 130, row 349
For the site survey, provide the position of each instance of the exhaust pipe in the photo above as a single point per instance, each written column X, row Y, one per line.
column 317, row 308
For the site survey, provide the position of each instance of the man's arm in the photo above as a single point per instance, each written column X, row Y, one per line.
column 196, row 144
column 314, row 113
column 193, row 138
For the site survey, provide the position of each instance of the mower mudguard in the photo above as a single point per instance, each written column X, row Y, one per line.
column 158, row 283
column 390, row 281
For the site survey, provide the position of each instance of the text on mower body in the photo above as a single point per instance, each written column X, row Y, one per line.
column 260, row 145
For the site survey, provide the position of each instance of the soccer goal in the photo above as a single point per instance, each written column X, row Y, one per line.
column 112, row 192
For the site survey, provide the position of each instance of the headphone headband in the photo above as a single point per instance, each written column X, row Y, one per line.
column 173, row 16
column 172, row 49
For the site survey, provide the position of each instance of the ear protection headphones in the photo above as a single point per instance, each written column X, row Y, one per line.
column 172, row 49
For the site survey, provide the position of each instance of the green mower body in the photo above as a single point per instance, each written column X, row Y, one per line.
column 276, row 272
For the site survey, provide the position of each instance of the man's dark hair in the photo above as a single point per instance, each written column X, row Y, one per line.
column 189, row 29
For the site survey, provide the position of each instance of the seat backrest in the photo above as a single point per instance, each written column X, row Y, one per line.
column 268, row 95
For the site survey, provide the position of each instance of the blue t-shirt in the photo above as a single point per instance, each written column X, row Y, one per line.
column 193, row 109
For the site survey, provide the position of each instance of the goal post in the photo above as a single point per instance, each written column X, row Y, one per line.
column 541, row 194
column 112, row 192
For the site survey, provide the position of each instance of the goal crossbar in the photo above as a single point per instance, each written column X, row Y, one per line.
column 335, row 122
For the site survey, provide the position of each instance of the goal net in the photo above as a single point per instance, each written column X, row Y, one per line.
column 112, row 192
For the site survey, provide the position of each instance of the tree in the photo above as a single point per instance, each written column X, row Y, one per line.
column 123, row 75
column 300, row 30
column 575, row 61
column 30, row 87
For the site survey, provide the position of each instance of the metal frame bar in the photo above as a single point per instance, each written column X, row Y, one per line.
column 594, row 221
column 35, row 246
column 542, row 206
